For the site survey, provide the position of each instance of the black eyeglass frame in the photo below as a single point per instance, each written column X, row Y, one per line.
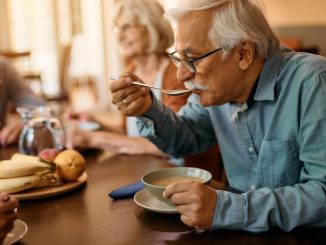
column 189, row 63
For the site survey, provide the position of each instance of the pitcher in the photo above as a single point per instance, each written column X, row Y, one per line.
column 41, row 130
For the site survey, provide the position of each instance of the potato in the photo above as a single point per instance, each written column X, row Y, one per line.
column 70, row 165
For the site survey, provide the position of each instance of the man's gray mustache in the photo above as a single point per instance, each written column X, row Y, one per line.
column 192, row 84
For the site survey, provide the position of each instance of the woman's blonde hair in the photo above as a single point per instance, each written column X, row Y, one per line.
column 233, row 21
column 150, row 14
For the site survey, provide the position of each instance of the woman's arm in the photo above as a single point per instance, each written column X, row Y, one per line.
column 118, row 143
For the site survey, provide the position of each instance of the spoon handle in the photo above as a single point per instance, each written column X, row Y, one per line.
column 144, row 85
column 137, row 83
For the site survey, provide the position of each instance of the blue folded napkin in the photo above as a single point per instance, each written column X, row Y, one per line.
column 127, row 191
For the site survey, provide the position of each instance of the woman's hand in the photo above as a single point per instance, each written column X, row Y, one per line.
column 8, row 214
column 83, row 117
column 132, row 100
column 77, row 138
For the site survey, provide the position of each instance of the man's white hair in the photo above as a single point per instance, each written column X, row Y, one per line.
column 233, row 21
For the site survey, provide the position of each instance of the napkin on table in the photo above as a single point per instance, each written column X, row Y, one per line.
column 127, row 191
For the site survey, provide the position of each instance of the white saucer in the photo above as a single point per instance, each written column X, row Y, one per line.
column 144, row 198
column 17, row 233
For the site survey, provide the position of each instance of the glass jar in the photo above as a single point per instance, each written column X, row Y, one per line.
column 40, row 130
column 57, row 127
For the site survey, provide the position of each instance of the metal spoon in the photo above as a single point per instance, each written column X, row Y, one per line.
column 170, row 92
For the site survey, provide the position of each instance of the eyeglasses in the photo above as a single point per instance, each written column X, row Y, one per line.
column 189, row 63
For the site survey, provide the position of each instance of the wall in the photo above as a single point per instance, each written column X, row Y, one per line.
column 302, row 19
column 287, row 12
column 4, row 39
column 295, row 12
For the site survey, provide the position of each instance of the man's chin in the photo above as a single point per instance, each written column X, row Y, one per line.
column 206, row 100
column 202, row 97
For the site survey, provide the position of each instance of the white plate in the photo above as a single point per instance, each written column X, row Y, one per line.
column 144, row 198
column 17, row 233
column 89, row 126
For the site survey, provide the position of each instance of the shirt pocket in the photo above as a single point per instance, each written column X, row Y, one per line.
column 280, row 164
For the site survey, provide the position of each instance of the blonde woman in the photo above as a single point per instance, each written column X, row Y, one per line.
column 144, row 37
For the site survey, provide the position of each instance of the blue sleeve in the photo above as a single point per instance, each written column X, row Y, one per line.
column 188, row 132
column 260, row 210
column 303, row 204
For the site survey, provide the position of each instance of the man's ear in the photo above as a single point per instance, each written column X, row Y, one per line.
column 247, row 53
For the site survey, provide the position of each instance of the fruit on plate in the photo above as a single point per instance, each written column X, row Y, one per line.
column 13, row 185
column 31, row 160
column 70, row 165
column 18, row 184
column 48, row 154
column 23, row 172
column 19, row 167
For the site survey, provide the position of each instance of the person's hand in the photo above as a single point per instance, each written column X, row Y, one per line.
column 8, row 214
column 68, row 115
column 132, row 100
column 76, row 138
column 9, row 134
column 195, row 202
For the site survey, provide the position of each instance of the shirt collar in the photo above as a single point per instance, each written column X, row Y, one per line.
column 267, row 79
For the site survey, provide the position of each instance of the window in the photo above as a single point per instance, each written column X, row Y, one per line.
column 33, row 28
column 44, row 27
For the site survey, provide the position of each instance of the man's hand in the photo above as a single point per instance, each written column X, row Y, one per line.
column 195, row 202
column 8, row 215
column 132, row 100
column 9, row 134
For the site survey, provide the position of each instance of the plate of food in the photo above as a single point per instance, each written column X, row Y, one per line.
column 49, row 174
column 17, row 233
column 44, row 192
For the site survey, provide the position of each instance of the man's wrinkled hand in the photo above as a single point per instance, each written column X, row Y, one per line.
column 132, row 100
column 195, row 202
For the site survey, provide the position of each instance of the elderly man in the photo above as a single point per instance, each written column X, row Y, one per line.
column 264, row 104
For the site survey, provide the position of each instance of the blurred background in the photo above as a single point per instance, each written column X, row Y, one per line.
column 65, row 49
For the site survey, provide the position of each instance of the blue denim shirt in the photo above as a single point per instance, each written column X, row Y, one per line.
column 274, row 148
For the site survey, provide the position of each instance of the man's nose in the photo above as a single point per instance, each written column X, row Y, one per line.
column 183, row 74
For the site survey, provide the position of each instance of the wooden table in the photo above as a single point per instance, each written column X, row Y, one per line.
column 88, row 216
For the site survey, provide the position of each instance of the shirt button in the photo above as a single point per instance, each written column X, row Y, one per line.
column 251, row 149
